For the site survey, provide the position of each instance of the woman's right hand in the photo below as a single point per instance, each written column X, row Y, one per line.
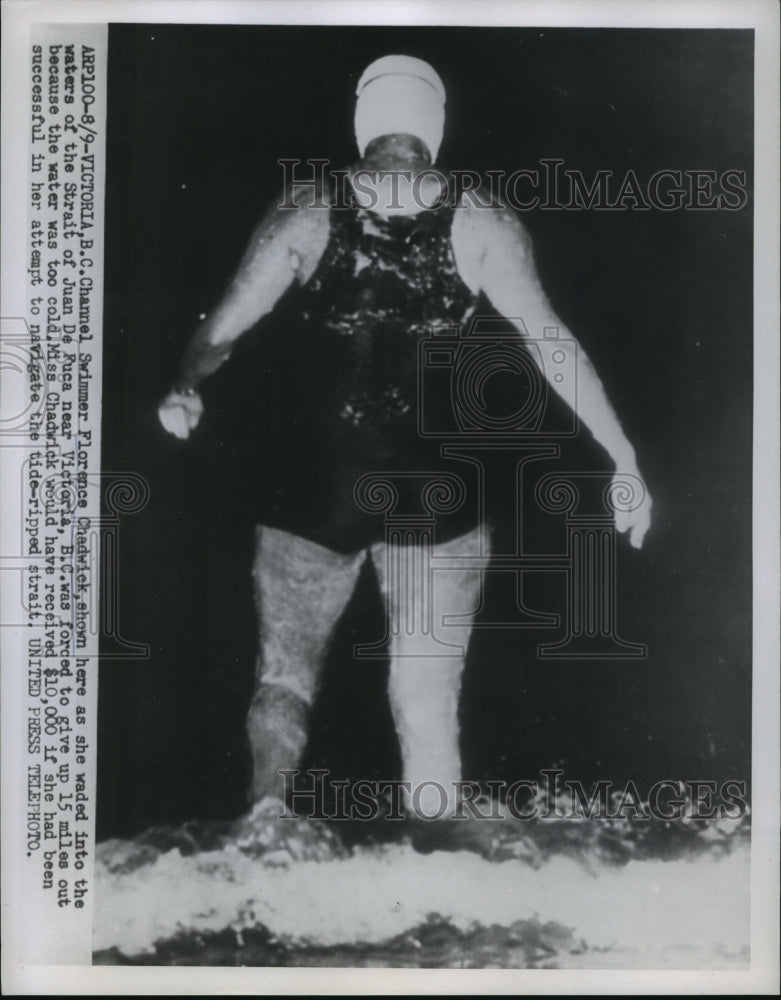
column 180, row 413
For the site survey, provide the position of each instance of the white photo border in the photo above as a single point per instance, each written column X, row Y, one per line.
column 757, row 14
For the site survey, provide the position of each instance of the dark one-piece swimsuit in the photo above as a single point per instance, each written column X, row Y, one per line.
column 350, row 362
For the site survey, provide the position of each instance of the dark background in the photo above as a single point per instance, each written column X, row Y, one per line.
column 198, row 117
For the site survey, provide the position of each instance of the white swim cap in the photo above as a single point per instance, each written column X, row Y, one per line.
column 400, row 94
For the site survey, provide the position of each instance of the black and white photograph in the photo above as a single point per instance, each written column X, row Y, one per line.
column 425, row 590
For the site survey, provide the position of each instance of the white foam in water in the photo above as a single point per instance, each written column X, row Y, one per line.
column 683, row 913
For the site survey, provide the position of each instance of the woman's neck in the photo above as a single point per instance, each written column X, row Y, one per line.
column 386, row 180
